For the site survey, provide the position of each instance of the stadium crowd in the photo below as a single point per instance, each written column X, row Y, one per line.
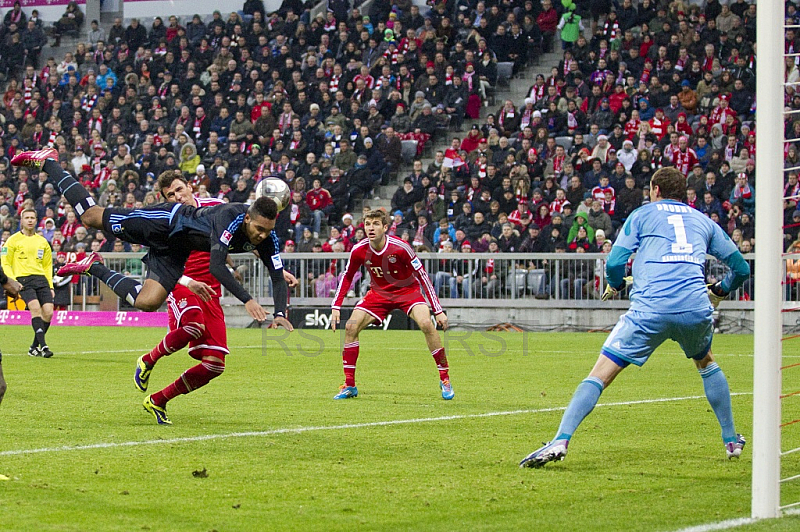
column 326, row 103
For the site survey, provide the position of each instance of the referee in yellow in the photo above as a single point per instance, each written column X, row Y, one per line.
column 27, row 257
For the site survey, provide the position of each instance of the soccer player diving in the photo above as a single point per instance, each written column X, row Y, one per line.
column 171, row 231
column 192, row 321
column 669, row 301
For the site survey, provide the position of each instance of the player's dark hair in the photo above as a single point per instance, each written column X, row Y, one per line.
column 264, row 207
column 166, row 179
column 377, row 214
column 670, row 182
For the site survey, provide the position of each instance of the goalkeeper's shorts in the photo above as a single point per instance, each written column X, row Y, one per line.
column 637, row 334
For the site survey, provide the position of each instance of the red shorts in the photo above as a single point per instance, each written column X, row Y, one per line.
column 380, row 307
column 215, row 337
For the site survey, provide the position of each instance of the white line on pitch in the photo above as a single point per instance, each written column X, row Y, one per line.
column 300, row 430
column 731, row 523
column 553, row 352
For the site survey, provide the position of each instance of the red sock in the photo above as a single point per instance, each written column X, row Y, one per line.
column 177, row 339
column 349, row 357
column 191, row 379
column 441, row 363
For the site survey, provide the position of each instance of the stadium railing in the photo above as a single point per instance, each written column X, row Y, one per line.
column 480, row 280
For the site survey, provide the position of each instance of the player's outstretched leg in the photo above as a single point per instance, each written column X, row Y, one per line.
column 422, row 316
column 126, row 288
column 191, row 327
column 212, row 366
column 77, row 196
column 583, row 402
column 718, row 394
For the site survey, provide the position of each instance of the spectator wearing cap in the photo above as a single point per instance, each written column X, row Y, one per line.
column 687, row 97
column 600, row 151
column 659, row 124
column 743, row 194
column 405, row 197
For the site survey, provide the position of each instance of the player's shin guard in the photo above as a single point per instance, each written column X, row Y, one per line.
column 76, row 195
column 38, row 332
column 125, row 287
column 349, row 358
column 191, row 379
column 719, row 397
column 191, row 328
column 441, row 363
column 583, row 401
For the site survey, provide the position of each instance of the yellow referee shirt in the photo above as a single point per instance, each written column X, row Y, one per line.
column 27, row 255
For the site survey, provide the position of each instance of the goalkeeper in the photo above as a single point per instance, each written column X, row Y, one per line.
column 669, row 301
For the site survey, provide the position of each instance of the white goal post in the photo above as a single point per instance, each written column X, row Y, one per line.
column 768, row 300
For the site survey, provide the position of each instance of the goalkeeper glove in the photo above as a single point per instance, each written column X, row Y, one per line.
column 611, row 291
column 716, row 294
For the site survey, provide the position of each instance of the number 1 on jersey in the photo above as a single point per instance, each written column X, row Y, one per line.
column 681, row 244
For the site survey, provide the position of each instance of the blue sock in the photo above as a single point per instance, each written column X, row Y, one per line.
column 582, row 403
column 719, row 397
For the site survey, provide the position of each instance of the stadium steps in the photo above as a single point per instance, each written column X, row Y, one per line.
column 516, row 91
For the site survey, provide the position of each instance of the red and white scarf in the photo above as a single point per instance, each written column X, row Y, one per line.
column 742, row 192
column 88, row 103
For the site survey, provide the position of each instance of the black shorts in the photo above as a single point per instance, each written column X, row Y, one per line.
column 165, row 268
column 35, row 288
column 148, row 226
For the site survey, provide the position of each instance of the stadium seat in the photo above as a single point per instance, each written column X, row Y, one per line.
column 504, row 72
column 565, row 142
column 537, row 282
column 515, row 283
column 409, row 150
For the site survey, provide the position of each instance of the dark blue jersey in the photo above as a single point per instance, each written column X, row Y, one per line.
column 220, row 230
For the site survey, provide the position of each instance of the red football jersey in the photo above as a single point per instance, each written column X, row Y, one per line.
column 197, row 264
column 395, row 270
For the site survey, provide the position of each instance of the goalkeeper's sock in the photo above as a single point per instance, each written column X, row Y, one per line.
column 719, row 397
column 349, row 358
column 125, row 287
column 583, row 401
column 441, row 363
column 76, row 194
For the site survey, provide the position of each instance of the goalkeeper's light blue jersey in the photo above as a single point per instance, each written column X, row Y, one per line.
column 671, row 241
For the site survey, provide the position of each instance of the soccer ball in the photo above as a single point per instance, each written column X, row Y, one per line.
column 276, row 189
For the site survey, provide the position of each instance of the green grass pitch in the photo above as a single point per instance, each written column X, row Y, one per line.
column 280, row 454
